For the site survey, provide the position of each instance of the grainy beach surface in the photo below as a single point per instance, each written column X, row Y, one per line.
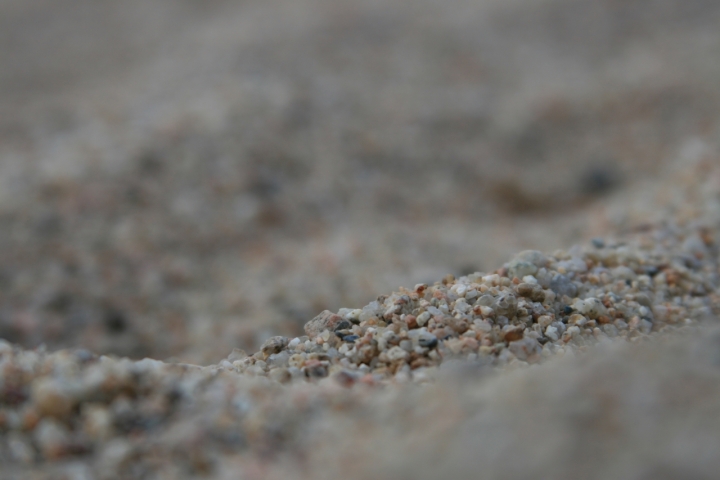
column 321, row 239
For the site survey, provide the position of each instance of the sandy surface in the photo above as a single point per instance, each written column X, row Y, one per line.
column 202, row 176
column 182, row 178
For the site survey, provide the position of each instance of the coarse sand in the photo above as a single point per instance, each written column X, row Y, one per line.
column 359, row 239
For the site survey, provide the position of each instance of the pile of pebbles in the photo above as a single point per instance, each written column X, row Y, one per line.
column 124, row 418
column 535, row 307
column 123, row 415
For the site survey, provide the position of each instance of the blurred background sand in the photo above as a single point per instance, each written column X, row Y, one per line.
column 182, row 177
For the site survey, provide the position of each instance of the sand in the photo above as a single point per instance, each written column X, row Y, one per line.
column 179, row 180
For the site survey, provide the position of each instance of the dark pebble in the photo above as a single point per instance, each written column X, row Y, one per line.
column 599, row 180
column 652, row 271
column 115, row 322
column 350, row 338
column 316, row 371
column 691, row 262
column 343, row 325
column 429, row 342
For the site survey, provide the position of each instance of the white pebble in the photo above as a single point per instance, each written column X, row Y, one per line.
column 423, row 318
column 552, row 333
column 459, row 289
column 461, row 306
column 396, row 353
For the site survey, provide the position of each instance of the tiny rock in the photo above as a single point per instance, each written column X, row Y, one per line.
column 274, row 345
column 526, row 349
column 325, row 321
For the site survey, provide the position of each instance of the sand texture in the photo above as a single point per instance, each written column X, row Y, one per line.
column 359, row 239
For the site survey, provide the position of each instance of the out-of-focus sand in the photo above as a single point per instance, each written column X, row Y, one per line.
column 179, row 178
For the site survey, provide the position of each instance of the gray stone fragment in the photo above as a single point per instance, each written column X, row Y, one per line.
column 520, row 269
column 274, row 345
column 527, row 262
column 505, row 304
column 525, row 349
column 278, row 359
column 562, row 285
column 427, row 340
column 325, row 321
